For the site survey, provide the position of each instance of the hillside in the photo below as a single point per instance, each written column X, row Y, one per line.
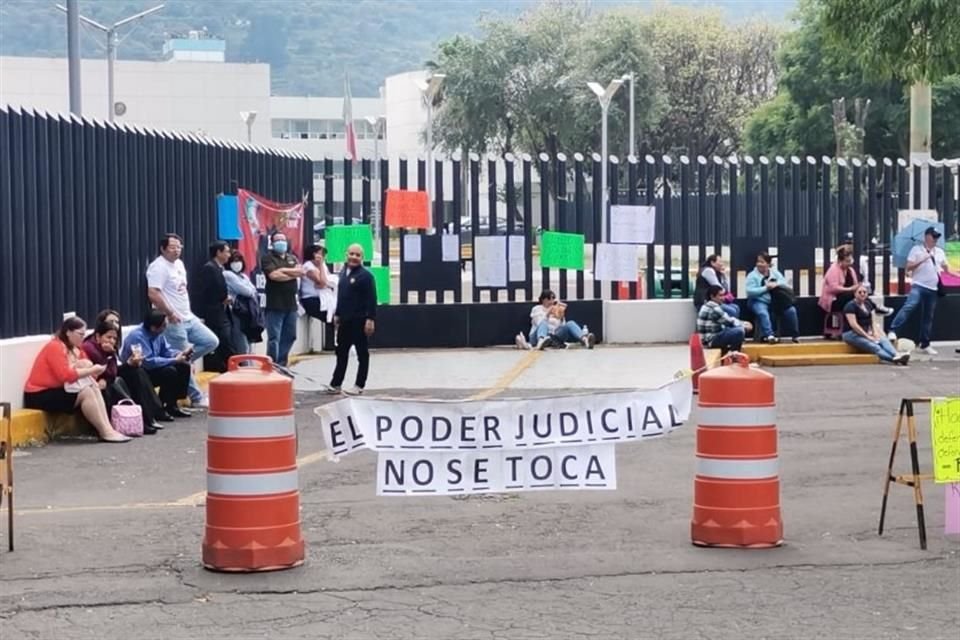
column 308, row 43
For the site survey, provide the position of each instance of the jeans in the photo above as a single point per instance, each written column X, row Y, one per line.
column 883, row 349
column 204, row 341
column 791, row 324
column 926, row 299
column 281, row 333
column 730, row 339
column 569, row 331
column 733, row 310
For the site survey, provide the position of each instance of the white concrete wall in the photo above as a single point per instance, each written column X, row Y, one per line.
column 17, row 356
column 178, row 96
column 648, row 321
column 315, row 108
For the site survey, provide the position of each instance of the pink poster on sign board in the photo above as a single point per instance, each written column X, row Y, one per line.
column 951, row 510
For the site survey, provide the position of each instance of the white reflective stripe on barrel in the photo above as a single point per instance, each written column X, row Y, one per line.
column 738, row 469
column 247, row 484
column 737, row 416
column 246, row 427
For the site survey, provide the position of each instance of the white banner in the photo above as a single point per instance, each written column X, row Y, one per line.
column 484, row 425
column 444, row 473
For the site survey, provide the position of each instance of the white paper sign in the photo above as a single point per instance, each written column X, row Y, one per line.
column 412, row 248
column 517, row 260
column 450, row 247
column 616, row 262
column 489, row 425
column 632, row 224
column 443, row 473
column 490, row 261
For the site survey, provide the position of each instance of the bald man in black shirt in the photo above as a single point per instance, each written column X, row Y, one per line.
column 355, row 319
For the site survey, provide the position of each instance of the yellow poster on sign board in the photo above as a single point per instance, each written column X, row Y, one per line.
column 945, row 439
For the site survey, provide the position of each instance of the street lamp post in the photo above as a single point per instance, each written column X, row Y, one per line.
column 632, row 78
column 605, row 96
column 429, row 88
column 248, row 118
column 377, row 123
column 112, row 42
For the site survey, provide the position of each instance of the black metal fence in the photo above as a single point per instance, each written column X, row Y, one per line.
column 799, row 207
column 84, row 203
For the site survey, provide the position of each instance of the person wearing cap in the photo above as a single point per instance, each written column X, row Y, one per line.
column 925, row 262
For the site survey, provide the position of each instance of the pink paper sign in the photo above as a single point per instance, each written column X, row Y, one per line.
column 951, row 509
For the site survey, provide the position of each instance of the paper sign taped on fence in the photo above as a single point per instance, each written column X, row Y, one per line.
column 407, row 209
column 614, row 262
column 339, row 237
column 412, row 248
column 443, row 473
column 632, row 224
column 945, row 439
column 561, row 250
column 381, row 278
column 412, row 425
column 490, row 261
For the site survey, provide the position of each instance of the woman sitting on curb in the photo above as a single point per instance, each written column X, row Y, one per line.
column 549, row 326
column 62, row 381
column 858, row 333
column 768, row 289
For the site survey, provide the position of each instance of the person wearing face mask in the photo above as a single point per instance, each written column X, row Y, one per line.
column 246, row 320
column 355, row 320
column 213, row 304
column 280, row 312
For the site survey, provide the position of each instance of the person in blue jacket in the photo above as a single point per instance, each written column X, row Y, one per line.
column 768, row 291
column 167, row 368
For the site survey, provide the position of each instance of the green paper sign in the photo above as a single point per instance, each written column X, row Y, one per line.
column 381, row 276
column 339, row 237
column 561, row 250
column 952, row 249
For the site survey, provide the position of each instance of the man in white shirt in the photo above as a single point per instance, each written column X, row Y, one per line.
column 925, row 261
column 167, row 290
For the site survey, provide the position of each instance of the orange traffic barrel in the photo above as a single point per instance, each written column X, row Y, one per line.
column 253, row 495
column 736, row 494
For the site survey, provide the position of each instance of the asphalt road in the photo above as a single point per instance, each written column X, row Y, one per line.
column 108, row 542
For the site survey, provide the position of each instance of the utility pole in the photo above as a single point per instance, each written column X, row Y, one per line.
column 73, row 55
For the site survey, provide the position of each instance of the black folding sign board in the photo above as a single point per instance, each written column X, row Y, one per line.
column 428, row 271
column 796, row 252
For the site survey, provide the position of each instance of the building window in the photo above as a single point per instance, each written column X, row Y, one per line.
column 320, row 129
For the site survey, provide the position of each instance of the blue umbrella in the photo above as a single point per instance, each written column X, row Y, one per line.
column 909, row 237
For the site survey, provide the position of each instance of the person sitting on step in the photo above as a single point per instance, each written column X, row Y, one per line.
column 859, row 333
column 717, row 328
column 768, row 290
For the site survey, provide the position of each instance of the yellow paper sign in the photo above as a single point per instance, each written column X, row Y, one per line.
column 945, row 439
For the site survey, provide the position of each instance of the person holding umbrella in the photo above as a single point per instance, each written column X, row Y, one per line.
column 925, row 262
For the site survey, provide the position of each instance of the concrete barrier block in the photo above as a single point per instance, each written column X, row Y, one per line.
column 639, row 321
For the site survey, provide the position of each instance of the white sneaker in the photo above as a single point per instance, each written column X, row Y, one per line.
column 331, row 389
column 203, row 402
column 892, row 337
column 521, row 342
column 354, row 391
column 902, row 358
column 541, row 343
column 884, row 311
column 930, row 351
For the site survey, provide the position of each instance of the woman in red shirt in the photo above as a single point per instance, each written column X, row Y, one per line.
column 62, row 380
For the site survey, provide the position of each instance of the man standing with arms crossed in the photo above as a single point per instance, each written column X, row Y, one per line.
column 354, row 320
column 280, row 312
column 167, row 290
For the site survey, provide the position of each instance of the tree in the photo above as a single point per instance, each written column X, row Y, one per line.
column 815, row 71
column 715, row 75
column 915, row 41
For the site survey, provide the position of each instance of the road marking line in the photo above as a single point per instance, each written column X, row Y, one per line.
column 197, row 499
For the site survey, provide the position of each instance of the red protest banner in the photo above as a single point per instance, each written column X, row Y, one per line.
column 261, row 218
column 407, row 209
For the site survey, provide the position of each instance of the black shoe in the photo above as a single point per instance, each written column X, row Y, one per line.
column 149, row 430
column 177, row 412
column 156, row 425
column 164, row 417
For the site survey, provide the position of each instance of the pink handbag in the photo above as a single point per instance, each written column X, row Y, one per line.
column 127, row 418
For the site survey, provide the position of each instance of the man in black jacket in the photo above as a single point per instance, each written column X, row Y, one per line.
column 213, row 304
column 354, row 320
